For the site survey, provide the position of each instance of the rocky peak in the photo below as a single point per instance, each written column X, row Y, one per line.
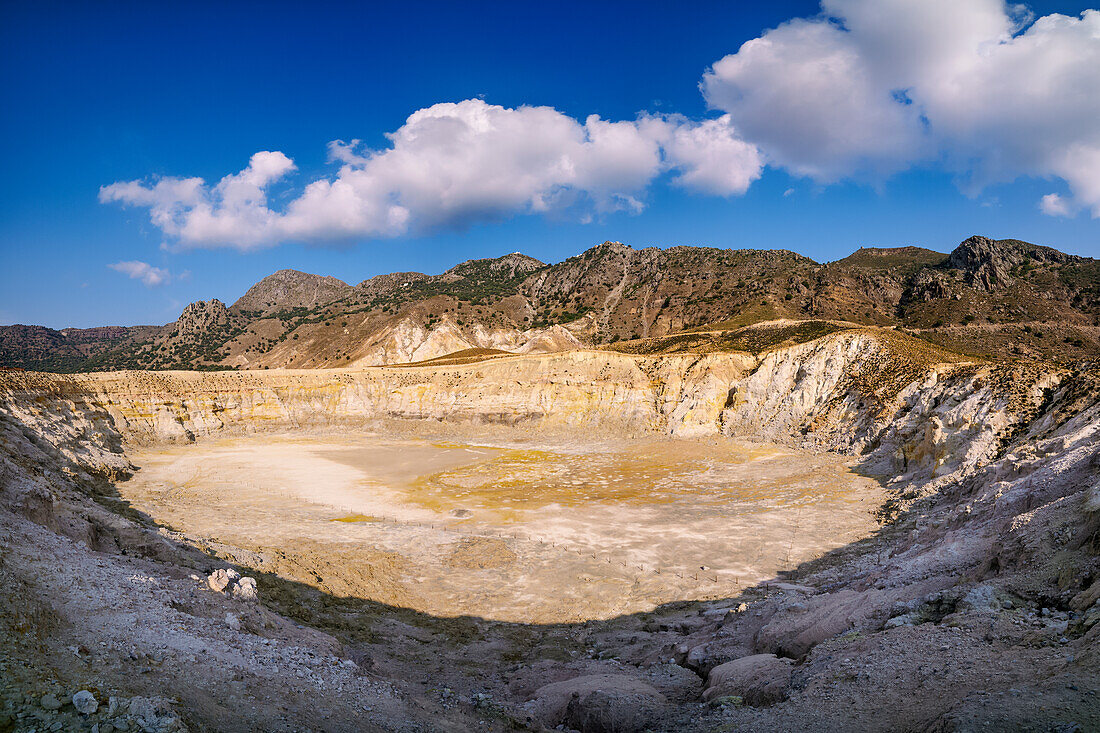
column 508, row 266
column 387, row 283
column 516, row 264
column 202, row 316
column 988, row 263
column 872, row 253
column 610, row 248
column 287, row 289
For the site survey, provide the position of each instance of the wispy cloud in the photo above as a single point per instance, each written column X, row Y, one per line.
column 1054, row 205
column 150, row 276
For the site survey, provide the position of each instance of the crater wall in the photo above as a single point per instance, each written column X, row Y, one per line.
column 851, row 392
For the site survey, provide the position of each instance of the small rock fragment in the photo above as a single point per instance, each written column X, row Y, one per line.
column 233, row 621
column 218, row 580
column 49, row 701
column 245, row 590
column 907, row 619
column 85, row 702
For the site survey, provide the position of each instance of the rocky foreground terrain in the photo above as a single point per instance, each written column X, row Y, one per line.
column 987, row 298
column 976, row 606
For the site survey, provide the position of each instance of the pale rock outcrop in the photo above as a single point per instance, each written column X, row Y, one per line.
column 228, row 580
column 221, row 579
column 245, row 589
column 408, row 341
column 154, row 714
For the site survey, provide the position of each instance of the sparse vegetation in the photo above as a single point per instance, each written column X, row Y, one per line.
column 613, row 294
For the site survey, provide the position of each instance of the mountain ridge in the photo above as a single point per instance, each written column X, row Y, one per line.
column 997, row 298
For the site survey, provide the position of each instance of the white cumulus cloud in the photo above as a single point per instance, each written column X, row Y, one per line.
column 150, row 276
column 233, row 210
column 808, row 98
column 863, row 90
column 452, row 164
column 876, row 86
column 708, row 156
column 1054, row 205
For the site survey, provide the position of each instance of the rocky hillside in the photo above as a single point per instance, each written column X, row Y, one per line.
column 68, row 350
column 987, row 298
column 291, row 289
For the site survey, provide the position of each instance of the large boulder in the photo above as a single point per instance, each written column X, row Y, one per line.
column 598, row 703
column 762, row 679
column 794, row 632
column 702, row 658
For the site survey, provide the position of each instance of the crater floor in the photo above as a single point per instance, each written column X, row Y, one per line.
column 537, row 530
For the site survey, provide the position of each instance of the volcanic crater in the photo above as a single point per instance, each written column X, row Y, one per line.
column 854, row 530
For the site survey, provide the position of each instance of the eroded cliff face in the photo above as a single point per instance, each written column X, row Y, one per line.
column 913, row 416
column 408, row 341
column 854, row 392
column 676, row 395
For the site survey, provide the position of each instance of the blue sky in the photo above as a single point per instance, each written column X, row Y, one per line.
column 98, row 94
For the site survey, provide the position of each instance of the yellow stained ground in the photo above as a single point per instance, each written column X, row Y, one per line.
column 564, row 530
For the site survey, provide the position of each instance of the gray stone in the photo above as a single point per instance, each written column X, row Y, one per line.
column 599, row 703
column 984, row 598
column 908, row 619
column 85, row 702
column 152, row 714
column 704, row 657
column 761, row 679
column 49, row 701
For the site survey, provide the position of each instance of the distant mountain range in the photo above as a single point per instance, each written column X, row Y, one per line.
column 1003, row 298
